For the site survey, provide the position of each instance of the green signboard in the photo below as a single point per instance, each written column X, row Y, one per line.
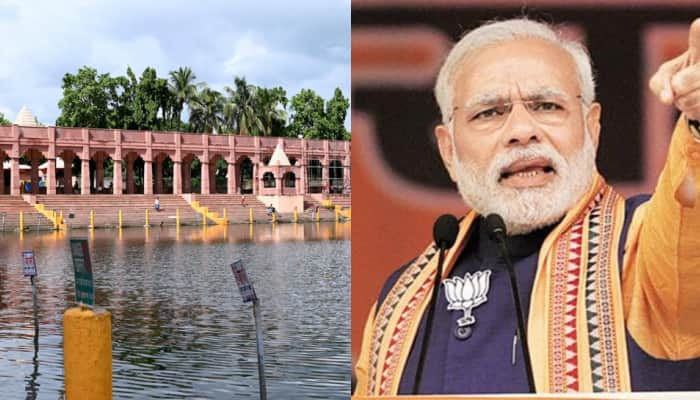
column 84, row 289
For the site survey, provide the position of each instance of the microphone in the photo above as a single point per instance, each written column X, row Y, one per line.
column 445, row 232
column 497, row 232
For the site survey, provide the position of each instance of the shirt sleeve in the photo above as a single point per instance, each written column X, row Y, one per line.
column 661, row 278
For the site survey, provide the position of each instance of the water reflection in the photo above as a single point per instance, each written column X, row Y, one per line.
column 180, row 329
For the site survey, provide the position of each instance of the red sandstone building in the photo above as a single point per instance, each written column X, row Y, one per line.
column 120, row 162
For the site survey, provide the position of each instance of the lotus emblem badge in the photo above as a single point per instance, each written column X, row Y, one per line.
column 465, row 294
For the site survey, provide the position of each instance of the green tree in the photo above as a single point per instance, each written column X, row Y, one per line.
column 240, row 115
column 152, row 101
column 270, row 106
column 86, row 99
column 308, row 113
column 3, row 120
column 121, row 94
column 314, row 121
column 336, row 111
column 183, row 89
column 207, row 111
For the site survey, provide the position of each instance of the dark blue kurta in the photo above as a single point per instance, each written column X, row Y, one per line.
column 483, row 362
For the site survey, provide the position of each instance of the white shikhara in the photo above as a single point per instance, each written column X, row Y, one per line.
column 466, row 293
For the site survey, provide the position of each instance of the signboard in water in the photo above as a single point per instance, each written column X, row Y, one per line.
column 29, row 263
column 84, row 288
column 244, row 284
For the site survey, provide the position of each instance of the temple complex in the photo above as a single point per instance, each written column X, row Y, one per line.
column 55, row 160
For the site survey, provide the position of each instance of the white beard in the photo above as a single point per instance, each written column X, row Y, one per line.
column 527, row 209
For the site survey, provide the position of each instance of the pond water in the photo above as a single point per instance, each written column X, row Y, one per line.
column 180, row 329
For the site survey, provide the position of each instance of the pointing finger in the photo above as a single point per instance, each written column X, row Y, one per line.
column 694, row 42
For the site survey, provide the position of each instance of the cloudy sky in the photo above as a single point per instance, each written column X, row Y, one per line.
column 293, row 44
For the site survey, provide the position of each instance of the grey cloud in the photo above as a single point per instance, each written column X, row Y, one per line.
column 307, row 43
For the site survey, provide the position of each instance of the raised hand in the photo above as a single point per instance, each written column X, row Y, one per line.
column 677, row 81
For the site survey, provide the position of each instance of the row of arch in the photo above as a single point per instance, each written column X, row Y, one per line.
column 98, row 175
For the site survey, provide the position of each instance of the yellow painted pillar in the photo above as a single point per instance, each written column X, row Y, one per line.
column 250, row 215
column 205, row 210
column 121, row 219
column 87, row 354
column 54, row 217
column 274, row 217
column 21, row 221
column 225, row 217
column 296, row 216
column 92, row 219
column 147, row 224
column 177, row 217
column 318, row 215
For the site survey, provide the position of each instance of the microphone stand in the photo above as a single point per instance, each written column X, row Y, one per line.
column 445, row 232
column 518, row 310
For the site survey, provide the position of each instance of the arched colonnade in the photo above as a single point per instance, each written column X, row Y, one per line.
column 55, row 160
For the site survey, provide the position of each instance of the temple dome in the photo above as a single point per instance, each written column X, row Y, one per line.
column 25, row 118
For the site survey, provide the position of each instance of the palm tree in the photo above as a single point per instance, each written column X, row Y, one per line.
column 270, row 105
column 183, row 88
column 206, row 110
column 239, row 111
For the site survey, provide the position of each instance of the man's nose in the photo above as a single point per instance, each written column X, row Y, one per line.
column 521, row 128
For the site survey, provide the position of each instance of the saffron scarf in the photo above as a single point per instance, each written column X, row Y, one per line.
column 576, row 304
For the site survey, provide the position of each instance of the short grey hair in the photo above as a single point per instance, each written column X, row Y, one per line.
column 504, row 31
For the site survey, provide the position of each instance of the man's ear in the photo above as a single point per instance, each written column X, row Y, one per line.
column 593, row 123
column 444, row 141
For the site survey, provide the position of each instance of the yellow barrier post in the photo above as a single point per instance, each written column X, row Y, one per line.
column 55, row 219
column 177, row 217
column 336, row 214
column 147, row 224
column 225, row 217
column 274, row 217
column 92, row 219
column 318, row 215
column 205, row 210
column 21, row 221
column 296, row 215
column 121, row 219
column 87, row 354
column 250, row 215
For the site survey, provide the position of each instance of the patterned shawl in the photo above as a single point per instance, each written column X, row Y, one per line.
column 576, row 305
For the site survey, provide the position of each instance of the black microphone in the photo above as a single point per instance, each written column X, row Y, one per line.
column 497, row 232
column 445, row 232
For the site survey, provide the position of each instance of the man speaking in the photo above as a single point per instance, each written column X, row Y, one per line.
column 552, row 282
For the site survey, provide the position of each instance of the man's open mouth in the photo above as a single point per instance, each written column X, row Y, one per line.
column 527, row 169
